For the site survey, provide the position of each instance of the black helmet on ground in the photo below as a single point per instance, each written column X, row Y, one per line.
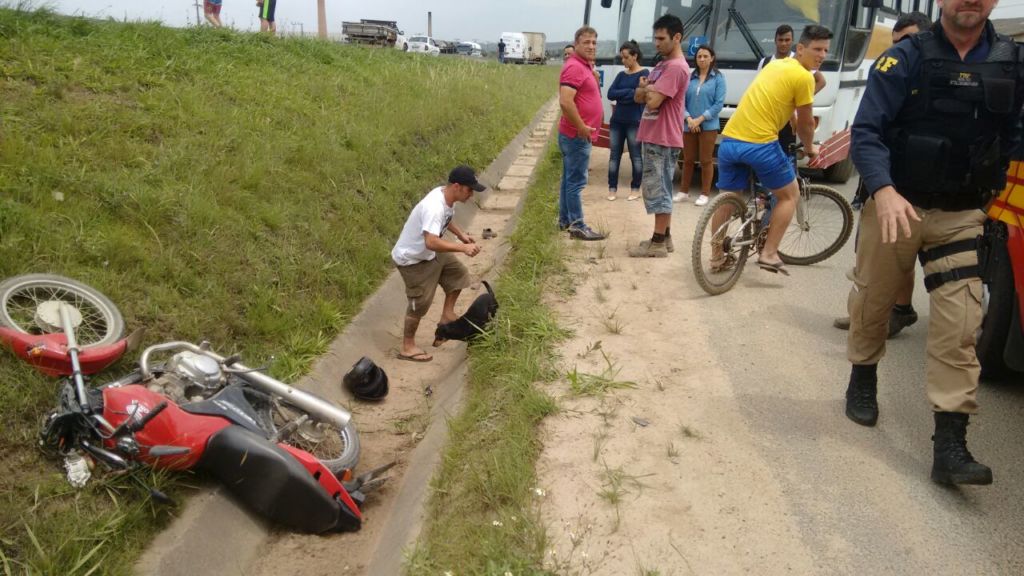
column 366, row 380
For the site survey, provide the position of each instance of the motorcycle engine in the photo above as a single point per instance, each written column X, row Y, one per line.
column 189, row 377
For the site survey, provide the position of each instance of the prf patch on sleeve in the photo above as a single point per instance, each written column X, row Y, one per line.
column 885, row 63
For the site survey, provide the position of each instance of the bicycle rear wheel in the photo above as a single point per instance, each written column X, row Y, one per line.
column 721, row 243
column 825, row 227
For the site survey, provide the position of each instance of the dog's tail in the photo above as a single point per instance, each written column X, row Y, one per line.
column 489, row 289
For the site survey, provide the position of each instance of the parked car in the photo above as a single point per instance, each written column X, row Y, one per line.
column 401, row 42
column 424, row 45
column 469, row 49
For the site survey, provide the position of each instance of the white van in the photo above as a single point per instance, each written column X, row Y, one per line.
column 515, row 47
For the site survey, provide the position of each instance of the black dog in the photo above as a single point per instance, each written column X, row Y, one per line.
column 473, row 322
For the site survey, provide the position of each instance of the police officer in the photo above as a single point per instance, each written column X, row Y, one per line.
column 931, row 141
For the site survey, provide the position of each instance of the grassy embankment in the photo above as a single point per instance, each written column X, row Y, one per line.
column 215, row 185
column 483, row 514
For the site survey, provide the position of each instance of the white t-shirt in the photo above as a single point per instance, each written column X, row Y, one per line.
column 432, row 215
column 771, row 57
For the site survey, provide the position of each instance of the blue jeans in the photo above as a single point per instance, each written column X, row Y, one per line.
column 575, row 161
column 617, row 134
column 659, row 167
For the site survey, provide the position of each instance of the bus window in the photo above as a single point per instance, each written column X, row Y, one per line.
column 639, row 15
column 763, row 17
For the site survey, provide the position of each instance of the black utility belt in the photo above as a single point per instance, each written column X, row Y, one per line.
column 947, row 202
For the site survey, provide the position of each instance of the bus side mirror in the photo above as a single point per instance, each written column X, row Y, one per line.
column 606, row 3
column 865, row 3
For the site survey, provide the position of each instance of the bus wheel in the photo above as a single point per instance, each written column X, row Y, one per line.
column 840, row 172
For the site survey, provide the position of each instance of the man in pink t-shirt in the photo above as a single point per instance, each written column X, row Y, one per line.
column 582, row 114
column 661, row 132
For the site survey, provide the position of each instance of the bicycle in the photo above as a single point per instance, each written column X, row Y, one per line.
column 821, row 225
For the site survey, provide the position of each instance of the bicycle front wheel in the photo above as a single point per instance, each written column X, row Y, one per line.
column 822, row 225
column 721, row 243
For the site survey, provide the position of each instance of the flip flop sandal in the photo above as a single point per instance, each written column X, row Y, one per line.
column 778, row 268
column 418, row 357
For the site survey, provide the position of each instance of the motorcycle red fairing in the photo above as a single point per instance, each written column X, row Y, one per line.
column 48, row 353
column 287, row 485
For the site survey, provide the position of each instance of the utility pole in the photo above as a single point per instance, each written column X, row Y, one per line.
column 302, row 30
column 321, row 19
column 198, row 21
column 430, row 24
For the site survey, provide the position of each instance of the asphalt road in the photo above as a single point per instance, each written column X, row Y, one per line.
column 861, row 496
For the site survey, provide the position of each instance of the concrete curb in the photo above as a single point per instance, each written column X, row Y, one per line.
column 214, row 535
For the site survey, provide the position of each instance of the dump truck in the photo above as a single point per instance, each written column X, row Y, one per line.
column 375, row 32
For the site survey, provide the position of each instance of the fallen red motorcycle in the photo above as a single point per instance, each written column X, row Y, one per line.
column 199, row 410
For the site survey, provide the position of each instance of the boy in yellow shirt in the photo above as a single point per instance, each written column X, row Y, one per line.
column 751, row 137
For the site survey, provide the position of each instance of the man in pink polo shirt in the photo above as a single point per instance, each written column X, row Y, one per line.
column 582, row 113
column 661, row 132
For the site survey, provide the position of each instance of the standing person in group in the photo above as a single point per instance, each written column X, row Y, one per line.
column 582, row 115
column 267, row 9
column 625, row 122
column 661, row 132
column 750, row 139
column 501, row 50
column 211, row 10
column 931, row 140
column 705, row 97
column 903, row 313
column 424, row 258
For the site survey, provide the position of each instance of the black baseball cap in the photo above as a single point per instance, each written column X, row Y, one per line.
column 467, row 177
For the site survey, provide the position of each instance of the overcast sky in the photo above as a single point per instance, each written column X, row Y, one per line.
column 452, row 19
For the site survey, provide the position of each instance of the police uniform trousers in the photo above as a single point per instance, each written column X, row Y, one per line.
column 955, row 312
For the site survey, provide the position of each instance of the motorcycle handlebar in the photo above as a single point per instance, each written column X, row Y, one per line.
column 317, row 407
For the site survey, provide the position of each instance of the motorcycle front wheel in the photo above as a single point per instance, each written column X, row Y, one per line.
column 337, row 448
column 30, row 304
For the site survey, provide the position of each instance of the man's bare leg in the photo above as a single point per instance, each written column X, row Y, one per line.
column 782, row 214
column 662, row 222
column 448, row 312
column 409, row 348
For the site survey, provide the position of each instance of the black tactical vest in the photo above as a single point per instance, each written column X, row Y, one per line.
column 945, row 143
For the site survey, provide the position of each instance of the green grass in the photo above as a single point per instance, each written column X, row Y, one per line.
column 482, row 517
column 215, row 185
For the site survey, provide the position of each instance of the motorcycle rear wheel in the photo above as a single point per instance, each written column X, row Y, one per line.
column 99, row 322
column 337, row 448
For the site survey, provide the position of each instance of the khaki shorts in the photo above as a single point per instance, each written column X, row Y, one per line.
column 422, row 279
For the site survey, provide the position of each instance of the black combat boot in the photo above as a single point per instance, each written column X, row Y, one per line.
column 861, row 395
column 953, row 463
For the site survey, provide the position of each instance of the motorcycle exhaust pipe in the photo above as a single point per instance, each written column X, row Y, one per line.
column 317, row 407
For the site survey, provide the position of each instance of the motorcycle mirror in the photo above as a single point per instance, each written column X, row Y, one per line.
column 161, row 497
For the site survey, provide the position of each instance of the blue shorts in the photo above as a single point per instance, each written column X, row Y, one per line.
column 770, row 164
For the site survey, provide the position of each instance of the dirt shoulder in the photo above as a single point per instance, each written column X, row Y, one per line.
column 664, row 475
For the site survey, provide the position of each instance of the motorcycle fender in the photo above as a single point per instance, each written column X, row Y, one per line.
column 268, row 480
column 48, row 353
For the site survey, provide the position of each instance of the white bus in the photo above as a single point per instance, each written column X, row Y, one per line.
column 743, row 31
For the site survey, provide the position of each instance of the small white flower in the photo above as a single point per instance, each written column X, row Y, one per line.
column 448, row 573
column 507, row 573
column 496, row 523
column 514, row 518
column 539, row 492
